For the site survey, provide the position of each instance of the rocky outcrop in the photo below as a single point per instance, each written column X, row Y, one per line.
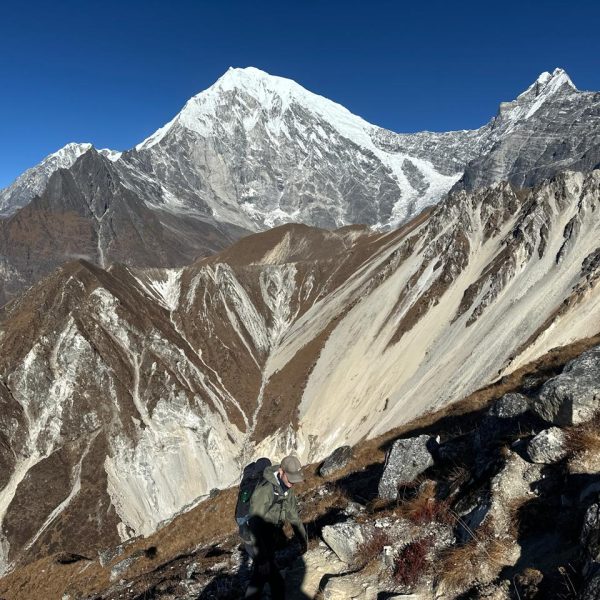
column 336, row 461
column 572, row 397
column 548, row 446
column 405, row 461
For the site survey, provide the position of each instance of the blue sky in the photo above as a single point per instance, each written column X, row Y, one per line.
column 112, row 72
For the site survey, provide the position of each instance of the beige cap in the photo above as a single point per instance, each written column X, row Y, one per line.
column 293, row 469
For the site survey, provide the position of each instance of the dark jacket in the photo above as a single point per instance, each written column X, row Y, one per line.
column 271, row 506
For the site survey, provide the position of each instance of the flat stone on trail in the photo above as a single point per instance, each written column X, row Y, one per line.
column 344, row 539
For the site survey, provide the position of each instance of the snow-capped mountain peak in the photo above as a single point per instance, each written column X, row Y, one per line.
column 544, row 88
column 270, row 93
column 33, row 181
column 247, row 115
column 548, row 84
column 68, row 154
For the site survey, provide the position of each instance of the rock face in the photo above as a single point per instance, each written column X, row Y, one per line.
column 337, row 460
column 547, row 446
column 572, row 397
column 33, row 182
column 89, row 212
column 530, row 148
column 406, row 460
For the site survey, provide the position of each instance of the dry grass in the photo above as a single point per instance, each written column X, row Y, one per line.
column 583, row 438
column 582, row 443
column 426, row 508
column 478, row 561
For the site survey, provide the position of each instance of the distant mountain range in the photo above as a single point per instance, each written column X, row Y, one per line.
column 255, row 151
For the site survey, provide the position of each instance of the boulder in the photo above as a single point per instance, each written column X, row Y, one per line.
column 547, row 447
column 355, row 586
column 590, row 532
column 344, row 539
column 572, row 397
column 336, row 461
column 509, row 406
column 353, row 509
column 406, row 460
column 591, row 590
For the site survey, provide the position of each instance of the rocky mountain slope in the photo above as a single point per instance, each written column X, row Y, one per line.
column 131, row 393
column 88, row 212
column 254, row 151
column 33, row 182
column 494, row 497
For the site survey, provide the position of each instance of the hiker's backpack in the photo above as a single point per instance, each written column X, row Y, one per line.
column 252, row 476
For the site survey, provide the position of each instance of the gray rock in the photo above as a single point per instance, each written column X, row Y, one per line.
column 337, row 460
column 572, row 397
column 509, row 406
column 406, row 460
column 344, row 539
column 353, row 509
column 121, row 567
column 547, row 447
column 591, row 591
column 590, row 532
column 107, row 556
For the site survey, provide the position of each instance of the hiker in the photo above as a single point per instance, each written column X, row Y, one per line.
column 273, row 502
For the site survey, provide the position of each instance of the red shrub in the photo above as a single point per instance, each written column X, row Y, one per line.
column 411, row 563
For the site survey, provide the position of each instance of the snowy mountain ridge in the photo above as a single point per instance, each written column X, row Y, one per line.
column 257, row 150
column 33, row 181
